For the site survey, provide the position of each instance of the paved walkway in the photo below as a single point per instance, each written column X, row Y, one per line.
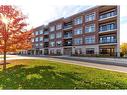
column 79, row 61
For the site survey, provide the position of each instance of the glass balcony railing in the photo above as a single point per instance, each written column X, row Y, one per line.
column 67, row 27
column 107, row 41
column 68, row 44
column 108, row 15
column 68, row 36
column 46, row 32
column 46, row 40
column 108, row 27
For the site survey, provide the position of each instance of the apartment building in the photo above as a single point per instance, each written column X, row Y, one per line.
column 93, row 31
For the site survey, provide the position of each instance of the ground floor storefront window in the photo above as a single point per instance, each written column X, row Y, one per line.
column 78, row 51
column 107, row 51
column 90, row 51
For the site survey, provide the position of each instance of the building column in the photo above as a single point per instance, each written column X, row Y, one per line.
column 73, row 50
column 118, row 31
column 62, row 51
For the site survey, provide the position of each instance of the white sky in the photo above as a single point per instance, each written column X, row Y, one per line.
column 40, row 12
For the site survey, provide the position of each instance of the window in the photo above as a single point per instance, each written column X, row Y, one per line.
column 58, row 51
column 41, row 31
column 89, row 50
column 52, row 51
column 78, row 41
column 52, row 28
column 52, row 44
column 36, row 45
column 59, row 43
column 90, row 39
column 78, row 31
column 36, row 39
column 52, row 36
column 78, row 20
column 90, row 17
column 41, row 44
column 41, row 38
column 58, row 35
column 33, row 40
column 36, row 33
column 78, row 51
column 59, row 26
column 90, row 28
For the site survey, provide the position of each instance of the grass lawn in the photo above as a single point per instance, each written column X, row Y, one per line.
column 43, row 74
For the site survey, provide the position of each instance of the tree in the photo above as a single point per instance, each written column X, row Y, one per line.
column 14, row 34
column 124, row 48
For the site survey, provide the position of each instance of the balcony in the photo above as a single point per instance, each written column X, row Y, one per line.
column 68, row 36
column 107, row 15
column 107, row 40
column 46, row 32
column 108, row 28
column 46, row 40
column 68, row 43
column 67, row 25
column 46, row 44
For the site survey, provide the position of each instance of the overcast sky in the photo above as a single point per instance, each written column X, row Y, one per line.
column 40, row 13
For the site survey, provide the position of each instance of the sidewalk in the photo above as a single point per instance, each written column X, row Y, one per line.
column 108, row 61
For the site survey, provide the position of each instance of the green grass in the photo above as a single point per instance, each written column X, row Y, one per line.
column 43, row 74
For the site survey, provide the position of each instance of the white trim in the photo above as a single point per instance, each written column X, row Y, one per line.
column 107, row 31
column 108, row 44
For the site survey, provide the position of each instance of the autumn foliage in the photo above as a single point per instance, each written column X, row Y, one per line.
column 14, row 35
column 124, row 48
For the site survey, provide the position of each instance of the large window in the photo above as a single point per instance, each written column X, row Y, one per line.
column 90, row 39
column 36, row 39
column 107, row 27
column 78, row 20
column 78, row 41
column 52, row 44
column 58, row 43
column 90, row 17
column 41, row 44
column 90, row 28
column 89, row 50
column 36, row 44
column 37, row 32
column 52, row 51
column 78, row 31
column 52, row 36
column 52, row 28
column 59, row 26
column 107, row 39
column 78, row 51
column 41, row 38
column 58, row 34
column 41, row 31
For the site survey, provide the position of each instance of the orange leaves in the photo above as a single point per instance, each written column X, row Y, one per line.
column 14, row 32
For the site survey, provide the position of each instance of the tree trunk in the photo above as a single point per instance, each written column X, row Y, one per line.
column 4, row 64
